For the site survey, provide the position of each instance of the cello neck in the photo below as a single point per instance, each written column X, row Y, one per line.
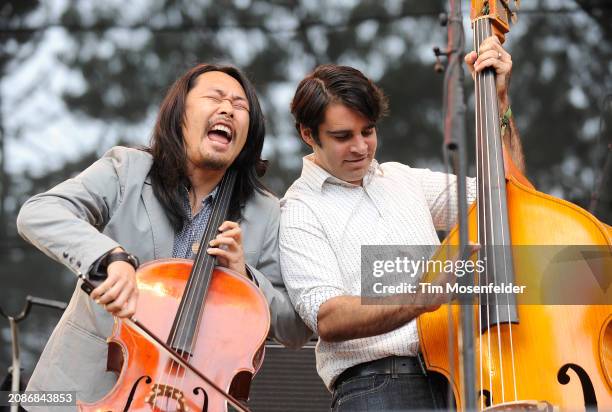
column 493, row 221
column 186, row 322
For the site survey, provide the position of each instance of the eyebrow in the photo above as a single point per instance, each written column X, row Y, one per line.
column 342, row 131
column 223, row 93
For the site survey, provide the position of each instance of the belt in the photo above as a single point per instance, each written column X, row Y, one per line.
column 392, row 365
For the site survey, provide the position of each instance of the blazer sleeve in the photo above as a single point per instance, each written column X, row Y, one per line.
column 65, row 222
column 286, row 326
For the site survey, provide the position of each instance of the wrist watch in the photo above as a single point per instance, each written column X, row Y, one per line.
column 120, row 256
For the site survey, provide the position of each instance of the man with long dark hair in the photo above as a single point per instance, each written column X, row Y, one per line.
column 154, row 203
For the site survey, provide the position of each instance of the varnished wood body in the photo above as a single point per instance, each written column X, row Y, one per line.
column 230, row 340
column 548, row 337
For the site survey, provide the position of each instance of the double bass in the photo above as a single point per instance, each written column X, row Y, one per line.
column 528, row 355
column 214, row 322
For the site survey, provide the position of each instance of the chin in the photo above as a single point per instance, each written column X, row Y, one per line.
column 214, row 163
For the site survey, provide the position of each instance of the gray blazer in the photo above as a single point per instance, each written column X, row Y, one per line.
column 109, row 204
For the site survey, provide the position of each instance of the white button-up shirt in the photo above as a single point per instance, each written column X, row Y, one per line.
column 324, row 223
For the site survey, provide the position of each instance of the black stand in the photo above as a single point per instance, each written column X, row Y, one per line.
column 15, row 369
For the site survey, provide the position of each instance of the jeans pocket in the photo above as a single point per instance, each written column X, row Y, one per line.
column 358, row 387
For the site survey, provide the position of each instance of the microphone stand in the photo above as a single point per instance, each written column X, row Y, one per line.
column 454, row 144
column 602, row 182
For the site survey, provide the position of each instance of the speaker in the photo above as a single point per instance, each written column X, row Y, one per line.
column 288, row 382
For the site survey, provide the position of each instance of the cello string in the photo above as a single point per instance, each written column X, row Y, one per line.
column 479, row 199
column 497, row 139
column 492, row 138
column 183, row 313
column 507, row 260
column 198, row 268
column 164, row 375
column 211, row 263
column 489, row 241
column 215, row 221
column 169, row 376
column 187, row 311
column 484, row 197
column 489, row 234
column 486, row 201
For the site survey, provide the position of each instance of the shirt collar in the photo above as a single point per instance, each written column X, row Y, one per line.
column 207, row 199
column 211, row 195
column 316, row 176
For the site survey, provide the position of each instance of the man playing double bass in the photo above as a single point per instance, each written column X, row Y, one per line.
column 367, row 355
column 154, row 203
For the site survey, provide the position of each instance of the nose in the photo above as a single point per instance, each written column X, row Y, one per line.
column 359, row 146
column 226, row 108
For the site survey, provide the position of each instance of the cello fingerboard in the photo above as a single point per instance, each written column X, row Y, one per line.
column 493, row 223
column 186, row 322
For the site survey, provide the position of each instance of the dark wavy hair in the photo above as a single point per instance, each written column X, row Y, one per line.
column 167, row 147
column 332, row 83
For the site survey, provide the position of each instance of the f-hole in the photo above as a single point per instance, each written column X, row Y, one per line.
column 196, row 391
column 588, row 391
column 487, row 397
column 133, row 391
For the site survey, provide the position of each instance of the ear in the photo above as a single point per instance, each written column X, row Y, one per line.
column 306, row 135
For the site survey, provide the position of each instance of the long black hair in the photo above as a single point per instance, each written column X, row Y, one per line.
column 168, row 173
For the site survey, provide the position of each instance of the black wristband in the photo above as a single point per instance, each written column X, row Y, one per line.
column 121, row 256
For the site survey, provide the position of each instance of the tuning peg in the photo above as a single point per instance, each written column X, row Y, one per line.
column 517, row 4
column 510, row 15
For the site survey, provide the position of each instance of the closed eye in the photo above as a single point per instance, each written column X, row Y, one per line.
column 213, row 99
column 236, row 104
column 240, row 105
column 342, row 136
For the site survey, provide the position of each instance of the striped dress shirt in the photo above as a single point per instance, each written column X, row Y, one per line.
column 324, row 223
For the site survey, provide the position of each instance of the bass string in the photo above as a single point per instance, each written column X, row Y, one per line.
column 486, row 139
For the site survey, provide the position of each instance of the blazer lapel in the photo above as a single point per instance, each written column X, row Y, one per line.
column 163, row 233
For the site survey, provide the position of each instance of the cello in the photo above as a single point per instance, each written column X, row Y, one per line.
column 215, row 321
column 529, row 354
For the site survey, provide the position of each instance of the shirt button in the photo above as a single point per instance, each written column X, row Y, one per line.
column 195, row 247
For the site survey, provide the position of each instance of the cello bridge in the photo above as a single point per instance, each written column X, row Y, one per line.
column 160, row 391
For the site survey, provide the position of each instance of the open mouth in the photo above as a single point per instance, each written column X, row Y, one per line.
column 220, row 132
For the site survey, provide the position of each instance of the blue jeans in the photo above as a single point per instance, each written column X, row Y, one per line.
column 391, row 394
